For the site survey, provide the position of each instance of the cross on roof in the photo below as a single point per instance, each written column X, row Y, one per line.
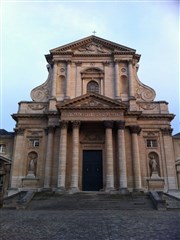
column 94, row 32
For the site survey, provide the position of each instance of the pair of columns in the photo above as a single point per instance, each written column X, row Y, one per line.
column 121, row 157
column 109, row 156
column 62, row 156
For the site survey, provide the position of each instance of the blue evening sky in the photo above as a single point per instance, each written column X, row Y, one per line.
column 29, row 29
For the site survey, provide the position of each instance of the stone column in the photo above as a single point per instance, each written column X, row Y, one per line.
column 130, row 71
column 49, row 155
column 109, row 156
column 62, row 156
column 68, row 78
column 169, row 159
column 54, row 80
column 117, row 80
column 135, row 130
column 18, row 160
column 75, row 157
column 122, row 157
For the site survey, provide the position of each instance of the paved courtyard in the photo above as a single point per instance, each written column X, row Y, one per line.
column 89, row 224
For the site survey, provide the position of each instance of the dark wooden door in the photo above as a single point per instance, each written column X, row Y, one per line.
column 92, row 170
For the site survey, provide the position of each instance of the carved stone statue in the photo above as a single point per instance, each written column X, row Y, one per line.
column 32, row 165
column 154, row 166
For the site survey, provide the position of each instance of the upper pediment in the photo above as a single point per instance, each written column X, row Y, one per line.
column 92, row 45
column 92, row 101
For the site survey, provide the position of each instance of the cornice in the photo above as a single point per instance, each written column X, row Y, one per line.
column 22, row 115
column 157, row 116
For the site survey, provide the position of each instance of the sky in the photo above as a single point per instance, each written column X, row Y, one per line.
column 29, row 29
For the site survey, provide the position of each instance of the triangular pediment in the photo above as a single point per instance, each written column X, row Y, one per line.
column 92, row 45
column 91, row 101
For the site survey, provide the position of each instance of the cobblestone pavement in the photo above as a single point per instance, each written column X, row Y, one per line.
column 89, row 225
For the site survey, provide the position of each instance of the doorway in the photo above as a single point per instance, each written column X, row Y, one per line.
column 92, row 170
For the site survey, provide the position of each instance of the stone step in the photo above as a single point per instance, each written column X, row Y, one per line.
column 80, row 201
column 171, row 202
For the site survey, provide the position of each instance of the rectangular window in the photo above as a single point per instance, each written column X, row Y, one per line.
column 2, row 148
column 151, row 143
column 34, row 143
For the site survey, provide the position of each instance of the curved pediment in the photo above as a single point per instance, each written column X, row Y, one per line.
column 92, row 101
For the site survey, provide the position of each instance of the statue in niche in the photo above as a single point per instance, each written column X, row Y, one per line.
column 32, row 164
column 154, row 167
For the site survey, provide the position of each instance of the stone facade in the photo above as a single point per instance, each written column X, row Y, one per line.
column 176, row 144
column 6, row 151
column 93, row 104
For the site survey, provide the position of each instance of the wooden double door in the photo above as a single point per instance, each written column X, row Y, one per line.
column 92, row 170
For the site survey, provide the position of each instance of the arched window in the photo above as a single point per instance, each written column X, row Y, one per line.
column 93, row 86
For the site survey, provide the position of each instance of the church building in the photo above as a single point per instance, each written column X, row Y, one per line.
column 93, row 125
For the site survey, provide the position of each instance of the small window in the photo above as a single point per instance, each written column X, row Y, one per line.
column 2, row 148
column 93, row 86
column 151, row 143
column 34, row 143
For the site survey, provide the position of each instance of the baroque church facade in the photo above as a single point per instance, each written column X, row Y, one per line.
column 93, row 125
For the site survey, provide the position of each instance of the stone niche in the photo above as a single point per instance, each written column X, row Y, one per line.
column 155, row 182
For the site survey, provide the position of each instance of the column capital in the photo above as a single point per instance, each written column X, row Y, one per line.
column 19, row 131
column 50, row 129
column 108, row 124
column 135, row 129
column 106, row 63
column 166, row 131
column 76, row 123
column 63, row 124
column 120, row 124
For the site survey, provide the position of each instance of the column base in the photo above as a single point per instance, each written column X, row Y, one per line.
column 46, row 189
column 123, row 191
column 138, row 190
column 110, row 190
column 74, row 190
column 60, row 190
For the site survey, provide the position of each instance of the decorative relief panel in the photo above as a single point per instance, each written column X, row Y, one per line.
column 37, row 106
column 148, row 106
column 92, row 48
column 91, row 115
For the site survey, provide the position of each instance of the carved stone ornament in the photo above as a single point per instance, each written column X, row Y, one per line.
column 145, row 94
column 76, row 124
column 19, row 131
column 120, row 124
column 42, row 92
column 123, row 70
column 63, row 124
column 36, row 106
column 62, row 70
column 166, row 131
column 148, row 106
column 93, row 48
column 135, row 129
column 108, row 124
column 93, row 137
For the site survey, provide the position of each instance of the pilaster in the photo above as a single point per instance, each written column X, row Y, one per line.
column 169, row 158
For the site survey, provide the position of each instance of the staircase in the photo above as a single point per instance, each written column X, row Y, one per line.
column 90, row 201
column 172, row 203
